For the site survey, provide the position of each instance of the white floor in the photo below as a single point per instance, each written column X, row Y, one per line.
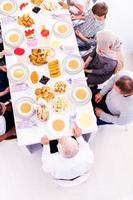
column 111, row 178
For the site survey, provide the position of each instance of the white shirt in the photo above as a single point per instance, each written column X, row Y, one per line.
column 2, row 125
column 68, row 168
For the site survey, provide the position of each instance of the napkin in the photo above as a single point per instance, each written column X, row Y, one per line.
column 25, row 124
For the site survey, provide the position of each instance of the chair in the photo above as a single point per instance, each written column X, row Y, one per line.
column 77, row 181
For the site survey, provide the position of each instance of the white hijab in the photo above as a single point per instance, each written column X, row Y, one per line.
column 108, row 45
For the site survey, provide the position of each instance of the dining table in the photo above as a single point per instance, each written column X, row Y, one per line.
column 45, row 71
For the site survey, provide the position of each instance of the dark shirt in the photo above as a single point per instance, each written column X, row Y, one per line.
column 102, row 68
column 3, row 85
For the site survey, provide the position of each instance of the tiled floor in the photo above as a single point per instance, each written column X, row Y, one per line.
column 111, row 178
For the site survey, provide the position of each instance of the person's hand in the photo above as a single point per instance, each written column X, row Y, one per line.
column 44, row 140
column 89, row 71
column 73, row 17
column 98, row 112
column 78, row 33
column 12, row 131
column 7, row 90
column 3, row 68
column 77, row 132
column 98, row 97
column 86, row 64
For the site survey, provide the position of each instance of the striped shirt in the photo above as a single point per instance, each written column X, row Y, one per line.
column 90, row 27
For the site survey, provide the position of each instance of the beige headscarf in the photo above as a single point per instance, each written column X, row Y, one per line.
column 109, row 45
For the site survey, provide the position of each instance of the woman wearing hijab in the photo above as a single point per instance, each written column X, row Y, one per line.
column 105, row 60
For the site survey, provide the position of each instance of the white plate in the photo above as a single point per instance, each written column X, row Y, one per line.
column 62, row 34
column 18, row 105
column 85, row 120
column 73, row 60
column 63, row 120
column 12, row 7
column 84, row 100
column 21, row 68
column 14, row 43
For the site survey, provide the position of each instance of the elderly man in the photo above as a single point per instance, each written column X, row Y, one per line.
column 114, row 103
column 72, row 160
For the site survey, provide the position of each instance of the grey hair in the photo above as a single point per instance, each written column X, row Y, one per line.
column 69, row 148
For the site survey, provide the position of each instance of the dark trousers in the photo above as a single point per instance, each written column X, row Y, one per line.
column 9, row 120
column 101, row 105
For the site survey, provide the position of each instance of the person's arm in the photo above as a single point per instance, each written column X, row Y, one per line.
column 77, row 17
column 89, row 58
column 81, row 36
column 47, row 157
column 108, row 86
column 6, row 91
column 3, row 68
column 104, row 70
column 8, row 134
column 79, row 7
column 123, row 118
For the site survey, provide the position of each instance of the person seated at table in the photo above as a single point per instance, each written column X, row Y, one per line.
column 105, row 60
column 94, row 22
column 114, row 103
column 7, row 128
column 73, row 159
column 4, row 85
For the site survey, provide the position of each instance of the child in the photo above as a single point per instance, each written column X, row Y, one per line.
column 94, row 22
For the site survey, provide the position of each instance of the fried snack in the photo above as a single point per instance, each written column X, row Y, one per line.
column 25, row 20
column 38, row 57
column 45, row 93
column 42, row 113
column 36, row 2
column 54, row 68
column 60, row 104
column 60, row 87
column 34, row 77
